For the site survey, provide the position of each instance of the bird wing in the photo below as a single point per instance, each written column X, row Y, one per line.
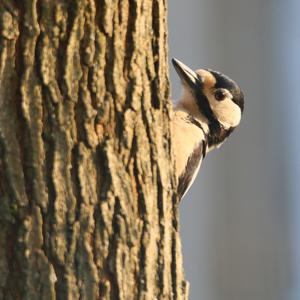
column 190, row 172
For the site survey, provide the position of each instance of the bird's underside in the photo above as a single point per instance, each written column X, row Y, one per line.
column 188, row 152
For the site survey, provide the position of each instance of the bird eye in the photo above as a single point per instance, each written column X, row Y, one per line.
column 220, row 95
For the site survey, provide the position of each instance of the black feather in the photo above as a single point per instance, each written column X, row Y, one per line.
column 190, row 169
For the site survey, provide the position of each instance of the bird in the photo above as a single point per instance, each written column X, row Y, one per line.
column 210, row 108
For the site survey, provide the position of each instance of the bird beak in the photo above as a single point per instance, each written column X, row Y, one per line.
column 188, row 76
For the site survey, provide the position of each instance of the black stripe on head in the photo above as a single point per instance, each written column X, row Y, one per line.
column 203, row 104
column 222, row 81
column 205, row 108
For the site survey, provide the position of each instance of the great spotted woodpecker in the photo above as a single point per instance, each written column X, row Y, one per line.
column 209, row 110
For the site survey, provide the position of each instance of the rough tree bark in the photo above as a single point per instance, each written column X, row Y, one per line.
column 87, row 202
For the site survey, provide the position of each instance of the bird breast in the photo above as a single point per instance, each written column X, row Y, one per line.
column 186, row 140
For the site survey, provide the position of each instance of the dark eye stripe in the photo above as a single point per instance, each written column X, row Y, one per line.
column 205, row 108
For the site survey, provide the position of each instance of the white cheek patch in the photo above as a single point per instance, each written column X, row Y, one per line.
column 227, row 112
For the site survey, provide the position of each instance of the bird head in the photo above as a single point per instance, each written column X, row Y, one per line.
column 212, row 96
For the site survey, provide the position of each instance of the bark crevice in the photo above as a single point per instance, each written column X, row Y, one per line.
column 86, row 179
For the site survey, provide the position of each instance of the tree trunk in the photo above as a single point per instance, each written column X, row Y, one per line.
column 87, row 202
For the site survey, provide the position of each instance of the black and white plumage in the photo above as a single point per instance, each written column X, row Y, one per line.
column 209, row 110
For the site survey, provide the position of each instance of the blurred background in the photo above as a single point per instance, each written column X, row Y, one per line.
column 240, row 222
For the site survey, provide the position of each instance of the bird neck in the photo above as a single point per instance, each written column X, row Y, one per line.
column 217, row 136
column 195, row 114
column 215, row 133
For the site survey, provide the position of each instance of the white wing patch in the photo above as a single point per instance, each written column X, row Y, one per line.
column 193, row 178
